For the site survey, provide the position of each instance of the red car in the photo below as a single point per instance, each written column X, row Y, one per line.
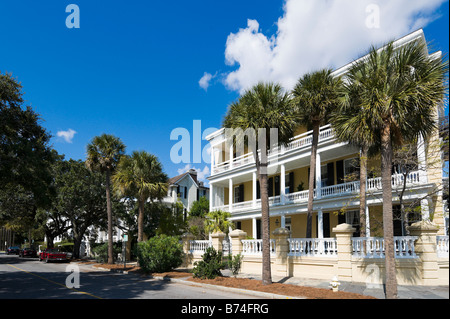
column 52, row 254
column 27, row 252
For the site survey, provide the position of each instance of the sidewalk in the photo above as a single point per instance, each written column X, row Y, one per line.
column 404, row 292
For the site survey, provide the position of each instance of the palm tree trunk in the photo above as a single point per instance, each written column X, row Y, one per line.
column 362, row 190
column 141, row 221
column 388, row 224
column 109, row 212
column 312, row 177
column 266, row 270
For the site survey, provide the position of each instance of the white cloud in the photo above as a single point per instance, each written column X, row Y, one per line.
column 67, row 135
column 205, row 80
column 314, row 34
column 201, row 174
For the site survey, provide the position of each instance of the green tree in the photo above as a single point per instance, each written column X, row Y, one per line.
column 25, row 155
column 141, row 176
column 257, row 112
column 103, row 155
column 218, row 221
column 315, row 96
column 199, row 208
column 399, row 90
column 350, row 125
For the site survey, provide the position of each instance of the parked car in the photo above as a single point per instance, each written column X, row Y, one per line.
column 28, row 252
column 52, row 254
column 12, row 250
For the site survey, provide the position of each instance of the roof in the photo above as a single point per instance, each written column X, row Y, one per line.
column 176, row 179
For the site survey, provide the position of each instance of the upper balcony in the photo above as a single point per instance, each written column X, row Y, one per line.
column 224, row 160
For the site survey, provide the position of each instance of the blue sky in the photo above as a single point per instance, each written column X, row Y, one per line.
column 133, row 68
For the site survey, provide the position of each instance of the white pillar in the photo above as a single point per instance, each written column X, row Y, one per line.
column 425, row 209
column 231, row 155
column 254, row 189
column 283, row 221
column 211, row 196
column 318, row 177
column 320, row 224
column 212, row 159
column 254, row 230
column 283, row 184
column 421, row 159
column 367, row 221
column 230, row 194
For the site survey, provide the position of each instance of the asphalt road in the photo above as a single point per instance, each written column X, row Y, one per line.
column 27, row 278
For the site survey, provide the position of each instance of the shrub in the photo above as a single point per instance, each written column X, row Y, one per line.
column 101, row 252
column 160, row 253
column 210, row 265
column 234, row 263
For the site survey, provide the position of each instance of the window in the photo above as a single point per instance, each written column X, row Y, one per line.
column 287, row 184
column 351, row 169
column 323, row 176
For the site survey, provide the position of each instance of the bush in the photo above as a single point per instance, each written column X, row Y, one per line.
column 234, row 264
column 210, row 265
column 160, row 254
column 101, row 252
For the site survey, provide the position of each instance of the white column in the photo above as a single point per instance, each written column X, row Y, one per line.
column 212, row 160
column 211, row 196
column 283, row 221
column 254, row 189
column 230, row 194
column 318, row 177
column 320, row 224
column 421, row 159
column 425, row 209
column 231, row 155
column 254, row 230
column 283, row 184
column 367, row 221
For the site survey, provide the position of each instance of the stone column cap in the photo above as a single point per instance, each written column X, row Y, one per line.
column 344, row 228
column 218, row 234
column 424, row 225
column 238, row 233
column 281, row 231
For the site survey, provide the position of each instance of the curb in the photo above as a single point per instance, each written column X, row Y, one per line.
column 256, row 293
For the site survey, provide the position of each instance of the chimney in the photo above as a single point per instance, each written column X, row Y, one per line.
column 193, row 173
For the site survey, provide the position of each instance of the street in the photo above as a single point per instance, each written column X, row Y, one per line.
column 27, row 278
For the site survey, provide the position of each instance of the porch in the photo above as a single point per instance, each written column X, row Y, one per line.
column 421, row 259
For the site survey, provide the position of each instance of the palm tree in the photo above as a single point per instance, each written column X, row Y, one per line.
column 398, row 91
column 103, row 154
column 350, row 125
column 260, row 109
column 140, row 176
column 217, row 221
column 315, row 95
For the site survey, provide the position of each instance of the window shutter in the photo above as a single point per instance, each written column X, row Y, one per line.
column 258, row 190
column 340, row 171
column 241, row 193
column 277, row 185
column 185, row 192
column 291, row 183
column 330, row 174
column 178, row 190
column 270, row 186
column 198, row 194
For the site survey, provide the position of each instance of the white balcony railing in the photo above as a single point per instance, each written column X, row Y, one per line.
column 296, row 143
column 442, row 246
column 373, row 247
column 254, row 246
column 199, row 245
column 313, row 247
column 350, row 188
